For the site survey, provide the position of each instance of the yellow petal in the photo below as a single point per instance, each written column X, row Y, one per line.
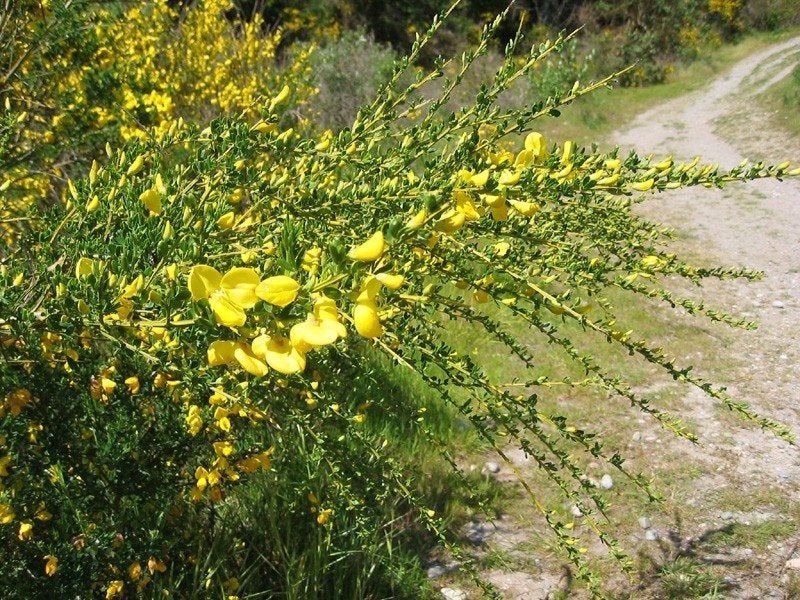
column 566, row 155
column 370, row 250
column 480, row 180
column 524, row 159
column 509, row 177
column 240, row 284
column 365, row 317
column 393, row 282
column 227, row 220
column 221, row 352
column 500, row 213
column 203, row 280
column 536, row 143
column 643, row 186
column 249, row 361
column 313, row 332
column 83, row 267
column 492, row 199
column 226, row 311
column 369, row 289
column 417, row 220
column 152, row 200
column 452, row 221
column 466, row 206
column 279, row 290
column 136, row 165
column 280, row 354
column 526, row 209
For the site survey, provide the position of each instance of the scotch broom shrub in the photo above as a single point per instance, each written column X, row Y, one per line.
column 195, row 329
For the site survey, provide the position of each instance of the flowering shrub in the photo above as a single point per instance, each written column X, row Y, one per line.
column 197, row 315
column 79, row 76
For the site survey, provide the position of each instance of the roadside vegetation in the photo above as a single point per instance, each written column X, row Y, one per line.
column 269, row 296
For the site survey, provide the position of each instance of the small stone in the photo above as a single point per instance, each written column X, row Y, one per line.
column 645, row 523
column 651, row 535
column 453, row 593
column 778, row 304
column 606, row 482
column 491, row 467
column 437, row 570
column 576, row 512
column 637, row 437
column 726, row 516
column 793, row 564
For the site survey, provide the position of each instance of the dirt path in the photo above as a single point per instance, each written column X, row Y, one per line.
column 758, row 226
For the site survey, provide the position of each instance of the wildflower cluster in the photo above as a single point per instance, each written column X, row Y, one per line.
column 196, row 313
column 117, row 74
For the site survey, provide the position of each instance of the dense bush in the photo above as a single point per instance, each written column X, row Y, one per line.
column 221, row 349
column 78, row 76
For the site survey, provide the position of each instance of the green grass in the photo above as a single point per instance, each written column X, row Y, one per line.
column 784, row 100
column 757, row 536
column 685, row 579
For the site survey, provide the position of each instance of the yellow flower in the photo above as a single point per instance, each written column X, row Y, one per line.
column 320, row 328
column 171, row 271
column 6, row 514
column 223, row 449
column 193, row 420
column 509, row 177
column 114, row 589
column 83, row 267
column 25, row 531
column 417, row 220
column 537, row 144
column 50, row 565
column 152, row 200
column 4, row 462
column 227, row 220
column 643, row 186
column 135, row 571
column 280, row 353
column 365, row 317
column 370, row 250
column 240, row 286
column 324, row 516
column 526, row 209
column 480, row 179
column 450, row 222
column 245, row 356
column 108, row 385
column 155, row 565
column 133, row 384
column 203, row 280
column 136, row 165
column 227, row 295
column 393, row 282
column 221, row 352
column 279, row 290
column 466, row 206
